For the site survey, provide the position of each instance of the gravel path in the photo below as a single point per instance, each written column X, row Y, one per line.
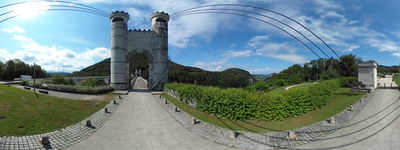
column 71, row 96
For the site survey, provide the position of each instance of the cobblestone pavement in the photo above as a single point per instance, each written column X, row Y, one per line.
column 62, row 138
column 141, row 123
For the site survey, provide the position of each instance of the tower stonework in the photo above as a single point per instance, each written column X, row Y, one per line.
column 367, row 74
column 151, row 42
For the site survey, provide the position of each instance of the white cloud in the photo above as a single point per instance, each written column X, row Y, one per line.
column 53, row 58
column 15, row 29
column 396, row 54
column 282, row 51
column 22, row 38
column 218, row 65
column 351, row 48
column 184, row 28
column 383, row 45
column 257, row 41
column 234, row 54
column 265, row 70
column 329, row 21
column 31, row 9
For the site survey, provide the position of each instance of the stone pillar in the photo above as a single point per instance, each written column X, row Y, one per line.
column 367, row 74
column 119, row 63
column 160, row 63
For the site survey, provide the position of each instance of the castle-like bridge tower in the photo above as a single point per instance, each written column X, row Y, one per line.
column 151, row 42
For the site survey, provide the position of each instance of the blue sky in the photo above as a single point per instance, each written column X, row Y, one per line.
column 69, row 41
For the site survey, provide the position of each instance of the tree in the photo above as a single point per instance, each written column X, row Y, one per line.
column 89, row 82
column 59, row 79
column 1, row 69
column 348, row 65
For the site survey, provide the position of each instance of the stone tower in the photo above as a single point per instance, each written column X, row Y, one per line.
column 119, row 41
column 151, row 42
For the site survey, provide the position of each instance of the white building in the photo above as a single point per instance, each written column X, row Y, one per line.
column 367, row 74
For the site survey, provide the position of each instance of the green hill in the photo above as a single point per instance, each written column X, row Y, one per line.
column 233, row 77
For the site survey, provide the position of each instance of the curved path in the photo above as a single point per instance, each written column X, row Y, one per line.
column 141, row 123
column 377, row 126
column 71, row 96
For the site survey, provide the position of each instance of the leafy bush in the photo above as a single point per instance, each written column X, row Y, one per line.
column 59, row 79
column 24, row 82
column 88, row 82
column 72, row 88
column 239, row 104
column 79, row 89
column 350, row 82
column 71, row 82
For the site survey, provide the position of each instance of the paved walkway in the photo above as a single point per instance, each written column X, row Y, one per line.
column 71, row 96
column 387, row 82
column 141, row 123
column 376, row 126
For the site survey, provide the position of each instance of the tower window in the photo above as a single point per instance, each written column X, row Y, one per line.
column 160, row 20
column 117, row 19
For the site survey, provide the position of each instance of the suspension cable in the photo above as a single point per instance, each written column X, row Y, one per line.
column 203, row 10
column 255, row 18
column 256, row 7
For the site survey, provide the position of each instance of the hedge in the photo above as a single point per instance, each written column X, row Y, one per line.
column 71, row 88
column 239, row 104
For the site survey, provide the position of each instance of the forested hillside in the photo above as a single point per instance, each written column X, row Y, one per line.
column 388, row 69
column 320, row 69
column 233, row 77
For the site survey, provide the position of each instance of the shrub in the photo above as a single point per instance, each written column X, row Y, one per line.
column 239, row 104
column 71, row 82
column 79, row 89
column 24, row 83
column 59, row 79
column 88, row 82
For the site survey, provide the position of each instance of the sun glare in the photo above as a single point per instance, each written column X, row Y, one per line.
column 31, row 9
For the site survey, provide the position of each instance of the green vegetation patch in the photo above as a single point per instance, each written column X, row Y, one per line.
column 22, row 113
column 239, row 104
column 397, row 80
column 337, row 102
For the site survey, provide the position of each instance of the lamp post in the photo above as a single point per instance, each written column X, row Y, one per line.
column 34, row 78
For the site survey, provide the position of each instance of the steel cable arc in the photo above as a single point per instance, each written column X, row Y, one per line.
column 76, row 10
column 202, row 10
column 186, row 14
column 275, row 12
column 66, row 2
column 67, row 6
column 260, row 8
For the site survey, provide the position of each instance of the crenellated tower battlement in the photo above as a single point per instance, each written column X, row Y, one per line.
column 152, row 42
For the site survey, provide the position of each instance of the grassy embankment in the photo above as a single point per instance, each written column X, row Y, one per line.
column 338, row 102
column 22, row 113
column 397, row 80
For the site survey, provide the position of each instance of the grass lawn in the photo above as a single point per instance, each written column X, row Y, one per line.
column 397, row 80
column 301, row 85
column 337, row 103
column 22, row 113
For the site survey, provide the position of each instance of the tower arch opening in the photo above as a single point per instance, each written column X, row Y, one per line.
column 139, row 66
column 152, row 43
